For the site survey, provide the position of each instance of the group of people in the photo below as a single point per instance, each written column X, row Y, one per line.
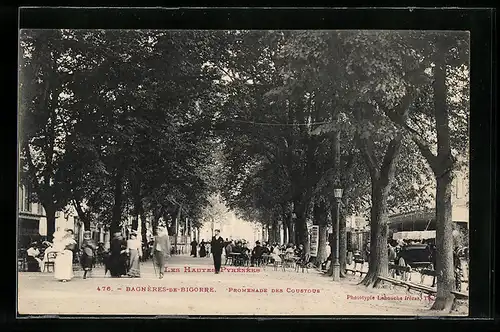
column 204, row 250
column 259, row 253
column 124, row 257
column 213, row 248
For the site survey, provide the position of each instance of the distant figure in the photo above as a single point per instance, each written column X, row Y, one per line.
column 35, row 264
column 257, row 253
column 194, row 247
column 367, row 252
column 87, row 258
column 216, row 246
column 134, row 248
column 391, row 253
column 203, row 249
column 208, row 249
column 161, row 250
column 458, row 269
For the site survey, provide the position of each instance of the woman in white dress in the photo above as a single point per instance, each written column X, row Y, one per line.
column 63, row 264
column 134, row 249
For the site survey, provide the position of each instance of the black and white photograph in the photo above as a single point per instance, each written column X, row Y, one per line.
column 243, row 172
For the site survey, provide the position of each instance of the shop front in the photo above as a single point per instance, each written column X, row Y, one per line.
column 28, row 230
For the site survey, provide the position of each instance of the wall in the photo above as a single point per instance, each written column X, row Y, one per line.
column 63, row 220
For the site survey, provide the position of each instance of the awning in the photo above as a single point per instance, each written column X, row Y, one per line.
column 413, row 216
column 417, row 235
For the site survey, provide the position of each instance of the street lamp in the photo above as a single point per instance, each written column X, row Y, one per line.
column 337, row 193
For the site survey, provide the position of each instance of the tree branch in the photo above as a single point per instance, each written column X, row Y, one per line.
column 369, row 157
column 390, row 156
column 32, row 171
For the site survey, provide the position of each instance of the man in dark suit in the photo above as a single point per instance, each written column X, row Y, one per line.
column 216, row 247
column 161, row 249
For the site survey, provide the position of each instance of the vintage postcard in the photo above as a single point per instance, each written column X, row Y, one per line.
column 243, row 172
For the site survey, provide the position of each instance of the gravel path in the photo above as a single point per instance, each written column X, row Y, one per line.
column 264, row 292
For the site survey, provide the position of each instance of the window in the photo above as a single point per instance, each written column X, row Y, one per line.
column 27, row 203
column 21, row 198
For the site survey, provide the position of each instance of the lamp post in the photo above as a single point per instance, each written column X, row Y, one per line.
column 337, row 193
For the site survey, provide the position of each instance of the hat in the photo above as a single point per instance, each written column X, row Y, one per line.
column 133, row 232
column 258, row 242
column 87, row 233
column 217, row 230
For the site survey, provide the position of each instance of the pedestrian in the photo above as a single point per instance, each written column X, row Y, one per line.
column 161, row 250
column 87, row 258
column 117, row 260
column 35, row 264
column 203, row 249
column 134, row 248
column 194, row 247
column 458, row 269
column 367, row 252
column 216, row 247
column 63, row 264
column 391, row 253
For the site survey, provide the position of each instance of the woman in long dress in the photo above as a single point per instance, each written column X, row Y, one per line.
column 194, row 246
column 88, row 248
column 203, row 249
column 117, row 260
column 63, row 264
column 134, row 248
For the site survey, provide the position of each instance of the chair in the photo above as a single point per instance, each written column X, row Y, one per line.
column 288, row 261
column 302, row 264
column 49, row 263
column 229, row 259
column 21, row 261
column 277, row 261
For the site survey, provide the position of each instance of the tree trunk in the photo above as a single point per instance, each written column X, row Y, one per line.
column 154, row 223
column 50, row 214
column 144, row 231
column 84, row 217
column 291, row 233
column 285, row 229
column 319, row 219
column 302, row 235
column 117, row 207
column 274, row 230
column 176, row 226
column 137, row 205
column 343, row 244
column 444, row 241
column 332, row 239
column 378, row 261
column 323, row 239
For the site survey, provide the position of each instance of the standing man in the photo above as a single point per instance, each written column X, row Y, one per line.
column 161, row 249
column 216, row 247
column 194, row 248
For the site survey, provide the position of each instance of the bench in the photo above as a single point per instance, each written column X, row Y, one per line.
column 393, row 268
column 356, row 271
column 420, row 288
column 460, row 296
column 390, row 280
column 427, row 272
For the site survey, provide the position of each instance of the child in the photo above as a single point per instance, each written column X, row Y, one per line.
column 87, row 258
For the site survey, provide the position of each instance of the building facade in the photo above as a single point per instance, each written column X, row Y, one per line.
column 32, row 221
column 29, row 216
column 425, row 218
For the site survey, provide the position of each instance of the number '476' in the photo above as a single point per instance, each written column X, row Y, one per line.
column 105, row 288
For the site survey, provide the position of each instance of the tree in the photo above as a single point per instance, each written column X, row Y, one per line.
column 439, row 128
column 45, row 117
